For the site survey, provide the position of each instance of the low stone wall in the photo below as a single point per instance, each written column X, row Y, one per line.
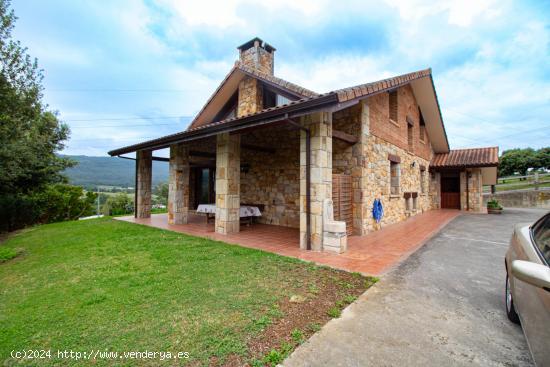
column 521, row 199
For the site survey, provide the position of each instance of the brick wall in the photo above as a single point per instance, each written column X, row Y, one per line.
column 395, row 132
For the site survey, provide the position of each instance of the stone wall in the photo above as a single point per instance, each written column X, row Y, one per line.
column 367, row 161
column 343, row 158
column 273, row 179
column 521, row 198
column 474, row 199
column 378, row 183
column 260, row 59
column 250, row 96
column 435, row 190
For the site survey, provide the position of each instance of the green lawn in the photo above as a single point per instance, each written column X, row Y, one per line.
column 110, row 285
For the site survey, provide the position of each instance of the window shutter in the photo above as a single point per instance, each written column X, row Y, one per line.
column 393, row 105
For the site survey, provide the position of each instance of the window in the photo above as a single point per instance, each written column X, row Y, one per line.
column 410, row 134
column 422, row 127
column 272, row 99
column 393, row 105
column 422, row 180
column 395, row 173
column 541, row 236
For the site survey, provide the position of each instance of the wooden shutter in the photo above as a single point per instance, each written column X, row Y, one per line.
column 342, row 200
column 393, row 105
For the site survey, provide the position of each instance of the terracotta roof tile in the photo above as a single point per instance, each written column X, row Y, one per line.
column 364, row 90
column 475, row 157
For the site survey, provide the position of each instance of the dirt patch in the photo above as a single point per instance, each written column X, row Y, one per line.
column 319, row 296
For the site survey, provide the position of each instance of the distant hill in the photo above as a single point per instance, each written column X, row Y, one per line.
column 110, row 171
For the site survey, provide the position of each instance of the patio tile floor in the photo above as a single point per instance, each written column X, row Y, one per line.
column 373, row 254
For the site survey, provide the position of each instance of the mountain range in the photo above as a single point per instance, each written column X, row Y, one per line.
column 109, row 171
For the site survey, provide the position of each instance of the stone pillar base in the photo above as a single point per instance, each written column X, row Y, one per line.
column 335, row 242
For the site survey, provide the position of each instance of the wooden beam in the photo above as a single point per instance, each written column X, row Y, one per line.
column 258, row 148
column 195, row 153
column 348, row 138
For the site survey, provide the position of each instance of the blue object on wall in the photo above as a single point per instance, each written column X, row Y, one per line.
column 377, row 210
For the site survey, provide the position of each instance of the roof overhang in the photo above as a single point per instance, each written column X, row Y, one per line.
column 426, row 97
column 267, row 117
column 219, row 97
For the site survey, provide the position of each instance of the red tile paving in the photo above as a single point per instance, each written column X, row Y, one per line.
column 373, row 254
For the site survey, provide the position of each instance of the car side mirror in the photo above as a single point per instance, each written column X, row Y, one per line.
column 532, row 273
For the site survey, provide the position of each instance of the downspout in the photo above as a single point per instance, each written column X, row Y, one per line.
column 308, row 179
column 467, row 191
column 136, row 185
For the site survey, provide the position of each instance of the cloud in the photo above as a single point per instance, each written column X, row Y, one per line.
column 152, row 59
column 459, row 12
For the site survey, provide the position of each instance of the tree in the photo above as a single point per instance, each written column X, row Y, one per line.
column 543, row 158
column 521, row 160
column 30, row 135
column 161, row 191
column 118, row 204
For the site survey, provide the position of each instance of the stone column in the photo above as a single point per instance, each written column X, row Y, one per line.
column 360, row 175
column 471, row 190
column 178, row 186
column 144, row 175
column 320, row 125
column 228, row 167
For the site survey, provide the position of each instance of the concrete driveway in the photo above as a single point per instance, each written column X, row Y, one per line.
column 443, row 306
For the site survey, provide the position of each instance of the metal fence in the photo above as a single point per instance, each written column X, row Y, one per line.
column 533, row 181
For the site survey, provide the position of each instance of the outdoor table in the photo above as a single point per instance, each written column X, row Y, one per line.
column 245, row 211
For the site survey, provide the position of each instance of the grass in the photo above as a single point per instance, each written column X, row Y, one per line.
column 110, row 285
column 7, row 253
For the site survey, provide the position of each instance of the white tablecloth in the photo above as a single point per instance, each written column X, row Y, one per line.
column 245, row 211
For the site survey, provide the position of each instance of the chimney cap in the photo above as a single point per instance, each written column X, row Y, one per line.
column 245, row 46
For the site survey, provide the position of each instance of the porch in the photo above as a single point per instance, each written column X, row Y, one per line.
column 372, row 254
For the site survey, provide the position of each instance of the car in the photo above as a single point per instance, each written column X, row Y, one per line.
column 528, row 285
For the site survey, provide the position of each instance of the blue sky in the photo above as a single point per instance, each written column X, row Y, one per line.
column 123, row 71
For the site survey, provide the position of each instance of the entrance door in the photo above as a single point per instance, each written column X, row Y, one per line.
column 204, row 186
column 450, row 190
column 342, row 200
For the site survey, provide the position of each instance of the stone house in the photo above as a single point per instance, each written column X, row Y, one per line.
column 263, row 141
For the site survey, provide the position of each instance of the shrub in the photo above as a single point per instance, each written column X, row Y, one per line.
column 493, row 204
column 54, row 203
column 118, row 204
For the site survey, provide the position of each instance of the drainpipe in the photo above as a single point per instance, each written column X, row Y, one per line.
column 308, row 179
column 135, row 186
column 467, row 190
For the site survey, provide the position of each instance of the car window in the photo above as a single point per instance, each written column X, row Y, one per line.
column 541, row 235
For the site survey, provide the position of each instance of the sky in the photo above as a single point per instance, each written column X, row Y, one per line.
column 120, row 72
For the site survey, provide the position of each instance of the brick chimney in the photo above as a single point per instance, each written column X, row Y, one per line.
column 258, row 55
